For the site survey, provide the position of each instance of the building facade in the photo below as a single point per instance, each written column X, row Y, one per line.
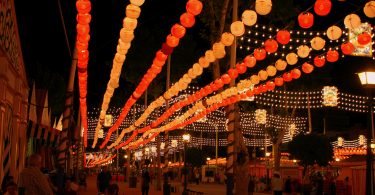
column 13, row 95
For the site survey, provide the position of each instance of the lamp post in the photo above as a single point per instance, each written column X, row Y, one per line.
column 367, row 79
column 186, row 139
column 208, row 167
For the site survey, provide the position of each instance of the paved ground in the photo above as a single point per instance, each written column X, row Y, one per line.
column 207, row 189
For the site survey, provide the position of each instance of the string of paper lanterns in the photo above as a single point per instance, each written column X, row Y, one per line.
column 332, row 55
column 130, row 21
column 187, row 20
column 82, row 42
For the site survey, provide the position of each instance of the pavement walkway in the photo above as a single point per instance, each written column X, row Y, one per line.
column 207, row 189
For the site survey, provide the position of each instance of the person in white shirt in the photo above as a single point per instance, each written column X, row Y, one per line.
column 277, row 184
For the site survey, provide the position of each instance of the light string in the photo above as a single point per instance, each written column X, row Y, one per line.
column 193, row 8
column 124, row 43
column 82, row 41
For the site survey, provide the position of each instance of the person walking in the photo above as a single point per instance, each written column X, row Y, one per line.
column 32, row 181
column 145, row 183
column 288, row 186
column 103, row 180
column 277, row 184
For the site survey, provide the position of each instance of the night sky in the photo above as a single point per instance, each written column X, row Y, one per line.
column 45, row 48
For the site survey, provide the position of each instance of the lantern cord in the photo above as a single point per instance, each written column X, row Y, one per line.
column 64, row 28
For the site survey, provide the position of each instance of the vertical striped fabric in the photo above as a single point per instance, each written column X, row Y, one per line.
column 42, row 135
column 6, row 148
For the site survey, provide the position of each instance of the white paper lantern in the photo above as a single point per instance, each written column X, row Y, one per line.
column 263, row 7
column 369, row 9
column 101, row 134
column 237, row 28
column 174, row 143
column 292, row 129
column 137, row 2
column 291, row 59
column 361, row 140
column 340, row 141
column 318, row 43
column 303, row 51
column 249, row 17
column 334, row 32
column 352, row 21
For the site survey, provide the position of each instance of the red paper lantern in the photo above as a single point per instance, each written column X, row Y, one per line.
column 84, row 38
column 172, row 41
column 322, row 7
column 241, row 68
column 82, row 66
column 307, row 68
column 296, row 73
column 178, row 31
column 260, row 54
column 233, row 73
column 279, row 81
column 256, row 90
column 83, row 55
column 319, row 61
column 305, row 20
column 166, row 49
column 187, row 20
column 270, row 45
column 250, row 93
column 270, row 85
column 83, row 18
column 161, row 56
column 347, row 48
column 250, row 61
column 364, row 38
column 226, row 78
column 81, row 45
column 83, row 28
column 158, row 63
column 332, row 56
column 283, row 37
column 194, row 7
column 287, row 77
column 263, row 88
column 219, row 83
column 83, row 6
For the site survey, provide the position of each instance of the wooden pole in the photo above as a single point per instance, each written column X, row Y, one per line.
column 231, row 115
column 63, row 147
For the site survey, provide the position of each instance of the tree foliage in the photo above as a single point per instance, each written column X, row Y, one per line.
column 195, row 157
column 311, row 149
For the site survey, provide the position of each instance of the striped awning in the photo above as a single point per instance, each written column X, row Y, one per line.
column 45, row 136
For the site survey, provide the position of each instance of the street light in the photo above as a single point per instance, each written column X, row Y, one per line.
column 208, row 167
column 186, row 139
column 367, row 79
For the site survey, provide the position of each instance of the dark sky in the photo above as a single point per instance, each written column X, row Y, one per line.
column 46, row 49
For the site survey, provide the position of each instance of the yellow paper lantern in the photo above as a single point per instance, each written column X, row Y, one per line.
column 121, row 51
column 186, row 78
column 254, row 79
column 133, row 11
column 119, row 58
column 263, row 7
column 249, row 17
column 271, row 70
column 227, row 39
column 237, row 28
column 203, row 62
column 352, row 21
column 292, row 58
column 280, row 64
column 263, row 75
column 334, row 32
column 303, row 51
column 129, row 23
column 209, row 55
column 126, row 35
column 318, row 43
column 369, row 9
column 137, row 2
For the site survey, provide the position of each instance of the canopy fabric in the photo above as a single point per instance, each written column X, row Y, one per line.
column 44, row 135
